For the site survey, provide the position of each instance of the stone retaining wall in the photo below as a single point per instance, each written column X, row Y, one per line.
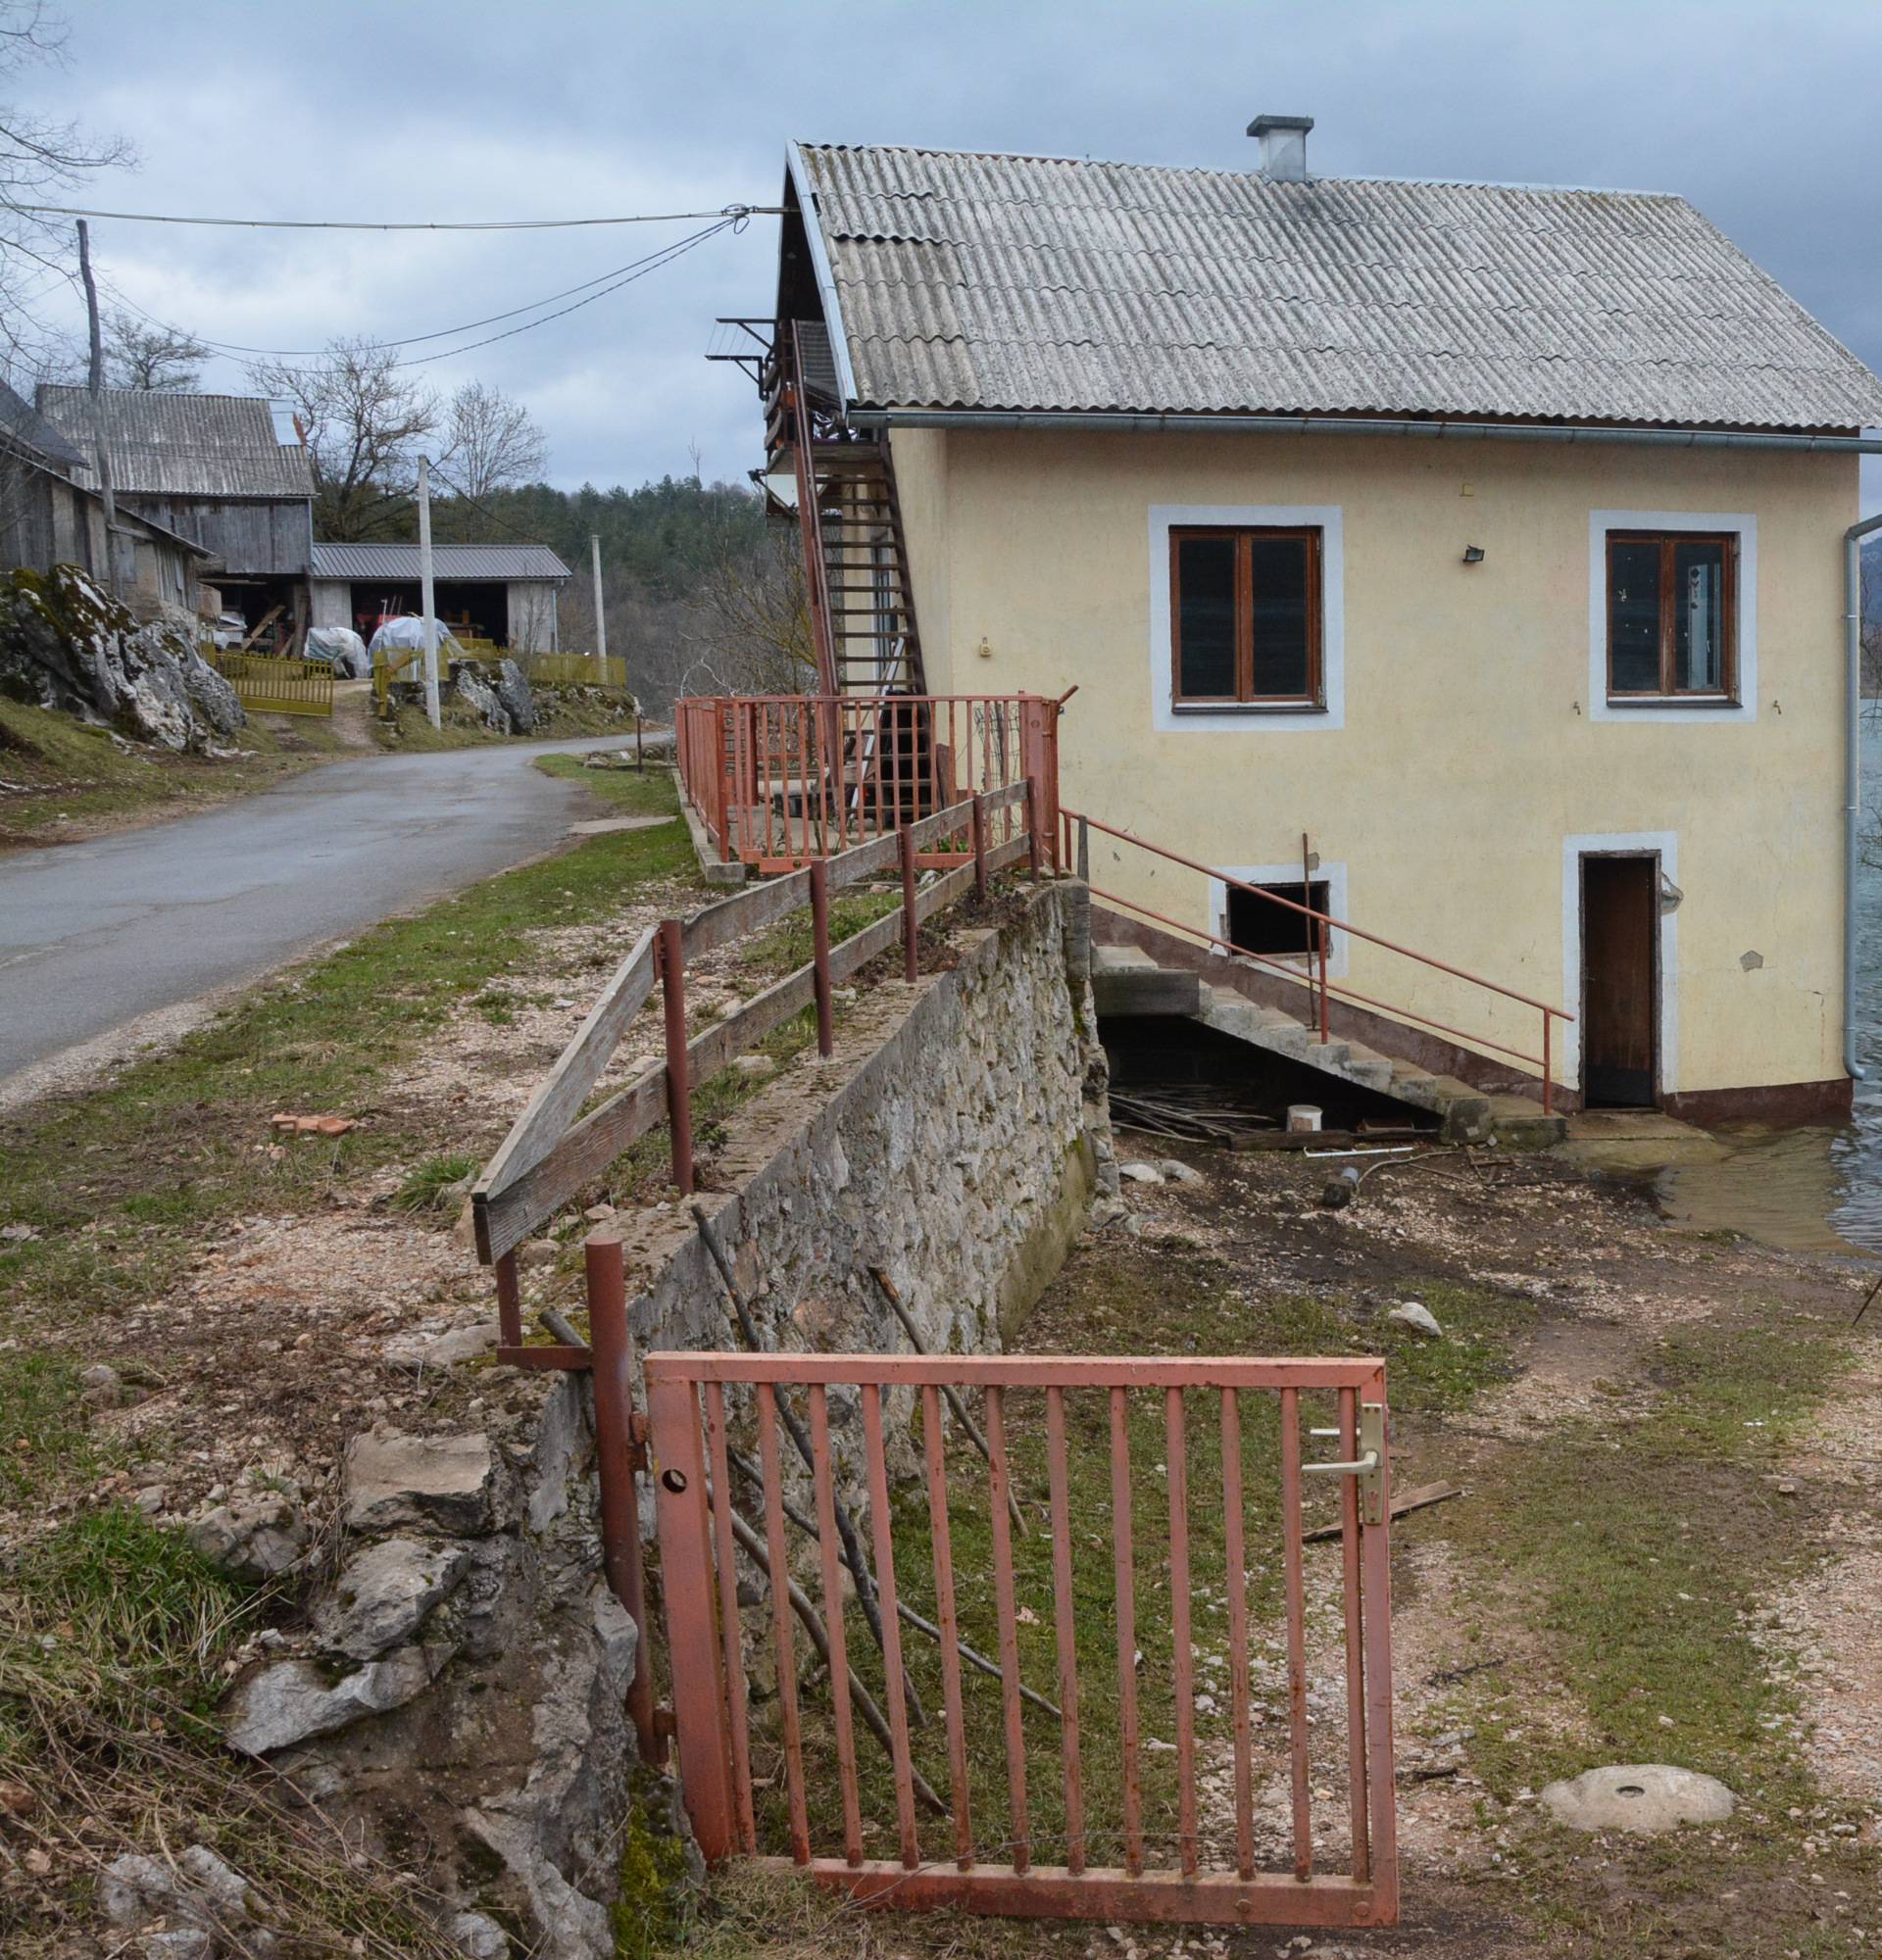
column 458, row 1693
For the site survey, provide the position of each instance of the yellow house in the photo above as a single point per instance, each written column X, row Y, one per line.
column 1465, row 563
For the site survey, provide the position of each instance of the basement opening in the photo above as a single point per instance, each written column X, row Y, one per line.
column 1255, row 925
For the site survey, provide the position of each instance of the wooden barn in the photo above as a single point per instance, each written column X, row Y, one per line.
column 213, row 468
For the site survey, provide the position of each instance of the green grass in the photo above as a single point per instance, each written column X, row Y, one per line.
column 44, row 1433
column 790, row 944
column 426, row 1183
column 1629, row 1559
column 1137, row 1299
column 124, row 1618
column 124, row 1180
column 62, row 777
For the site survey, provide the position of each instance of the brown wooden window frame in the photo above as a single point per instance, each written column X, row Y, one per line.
column 1313, row 700
column 1726, row 692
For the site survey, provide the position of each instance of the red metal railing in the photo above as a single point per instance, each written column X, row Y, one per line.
column 1118, row 1856
column 780, row 780
column 1312, row 974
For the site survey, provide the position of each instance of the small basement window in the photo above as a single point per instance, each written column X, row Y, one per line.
column 1258, row 925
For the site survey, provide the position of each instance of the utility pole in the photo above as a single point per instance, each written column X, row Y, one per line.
column 601, row 616
column 95, row 387
column 427, row 598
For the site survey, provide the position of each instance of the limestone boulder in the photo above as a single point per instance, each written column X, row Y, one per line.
column 385, row 1593
column 293, row 1701
column 392, row 1479
column 256, row 1540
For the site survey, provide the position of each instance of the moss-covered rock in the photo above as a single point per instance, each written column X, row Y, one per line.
column 66, row 644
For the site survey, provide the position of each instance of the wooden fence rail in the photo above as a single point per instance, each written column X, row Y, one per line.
column 551, row 1154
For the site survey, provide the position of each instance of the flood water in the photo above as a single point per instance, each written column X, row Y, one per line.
column 1816, row 1190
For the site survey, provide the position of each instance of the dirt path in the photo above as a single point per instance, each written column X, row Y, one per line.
column 1667, row 1550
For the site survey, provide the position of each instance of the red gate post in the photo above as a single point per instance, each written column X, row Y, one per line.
column 680, row 1090
column 613, row 1348
column 979, row 824
column 692, row 1633
column 1037, row 751
column 821, row 953
column 1032, row 826
column 911, row 924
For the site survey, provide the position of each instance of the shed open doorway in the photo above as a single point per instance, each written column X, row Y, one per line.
column 1620, row 981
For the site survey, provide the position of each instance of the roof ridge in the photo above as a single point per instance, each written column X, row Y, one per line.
column 1216, row 170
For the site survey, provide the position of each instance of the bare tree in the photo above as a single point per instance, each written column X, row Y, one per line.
column 39, row 156
column 494, row 441
column 750, row 632
column 154, row 359
column 366, row 424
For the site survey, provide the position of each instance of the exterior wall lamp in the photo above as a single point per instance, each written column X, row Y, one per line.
column 1473, row 553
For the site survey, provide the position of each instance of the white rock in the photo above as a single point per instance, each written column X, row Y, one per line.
column 461, row 1343
column 395, row 1479
column 1642, row 1798
column 385, row 1593
column 480, row 1937
column 1178, row 1173
column 1140, row 1173
column 291, row 1701
column 1419, row 1319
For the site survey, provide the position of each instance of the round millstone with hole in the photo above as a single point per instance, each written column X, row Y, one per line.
column 1647, row 1797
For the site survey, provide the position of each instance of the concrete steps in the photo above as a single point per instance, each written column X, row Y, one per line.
column 1126, row 980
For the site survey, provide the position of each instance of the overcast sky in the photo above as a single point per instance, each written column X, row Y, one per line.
column 1766, row 117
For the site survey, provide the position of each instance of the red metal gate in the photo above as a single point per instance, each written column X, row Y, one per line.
column 1188, row 1595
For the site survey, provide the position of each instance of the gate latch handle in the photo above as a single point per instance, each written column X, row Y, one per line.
column 1368, row 1467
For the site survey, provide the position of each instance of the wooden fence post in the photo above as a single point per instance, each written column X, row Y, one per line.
column 821, row 953
column 679, row 1091
column 616, row 1459
column 910, row 925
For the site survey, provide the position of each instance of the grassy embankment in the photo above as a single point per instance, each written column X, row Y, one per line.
column 59, row 779
column 112, row 1633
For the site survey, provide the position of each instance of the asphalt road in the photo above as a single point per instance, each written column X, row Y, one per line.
column 95, row 935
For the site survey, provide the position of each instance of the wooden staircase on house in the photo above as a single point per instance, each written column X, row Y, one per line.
column 1127, row 981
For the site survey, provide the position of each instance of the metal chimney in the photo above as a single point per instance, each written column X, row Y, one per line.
column 1283, row 141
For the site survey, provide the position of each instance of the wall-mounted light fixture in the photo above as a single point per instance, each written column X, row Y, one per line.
column 1473, row 553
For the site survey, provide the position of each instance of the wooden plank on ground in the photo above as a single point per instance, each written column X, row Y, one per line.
column 1415, row 1499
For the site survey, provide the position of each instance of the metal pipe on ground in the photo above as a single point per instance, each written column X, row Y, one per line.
column 873, row 1716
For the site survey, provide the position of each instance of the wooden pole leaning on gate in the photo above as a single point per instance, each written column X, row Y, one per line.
column 820, row 954
column 911, row 919
column 618, row 1456
column 669, row 950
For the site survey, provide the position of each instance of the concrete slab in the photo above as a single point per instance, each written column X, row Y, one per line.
column 602, row 826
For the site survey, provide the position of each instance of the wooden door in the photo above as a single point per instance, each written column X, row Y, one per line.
column 1619, row 982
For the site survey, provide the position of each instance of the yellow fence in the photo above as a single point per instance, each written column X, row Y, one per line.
column 577, row 670
column 276, row 687
column 392, row 663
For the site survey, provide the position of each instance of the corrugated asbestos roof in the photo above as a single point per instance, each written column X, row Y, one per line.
column 972, row 282
column 185, row 444
column 27, row 425
column 447, row 561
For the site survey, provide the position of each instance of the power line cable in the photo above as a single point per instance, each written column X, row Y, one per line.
column 405, row 340
column 620, row 276
column 728, row 210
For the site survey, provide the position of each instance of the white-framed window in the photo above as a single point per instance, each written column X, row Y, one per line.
column 1246, row 617
column 1673, row 615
